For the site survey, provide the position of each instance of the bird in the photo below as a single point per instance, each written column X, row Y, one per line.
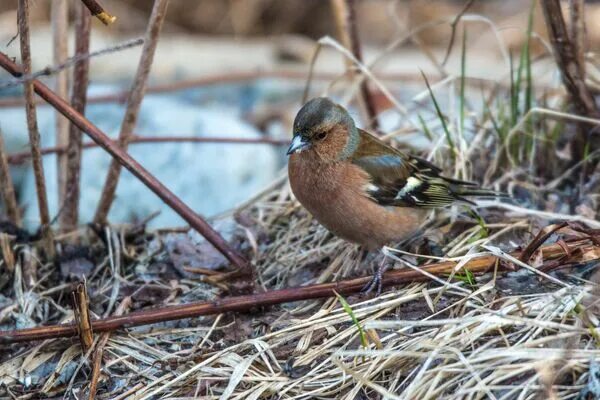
column 360, row 188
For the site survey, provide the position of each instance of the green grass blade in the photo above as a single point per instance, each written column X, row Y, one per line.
column 350, row 312
column 442, row 119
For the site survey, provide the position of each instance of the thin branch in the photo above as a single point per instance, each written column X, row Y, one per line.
column 70, row 215
column 7, row 188
column 184, row 211
column 99, row 350
column 134, row 102
column 579, row 250
column 34, row 134
column 60, row 21
column 75, row 60
column 367, row 95
column 572, row 72
column 578, row 33
column 21, row 157
column 98, row 11
column 453, row 25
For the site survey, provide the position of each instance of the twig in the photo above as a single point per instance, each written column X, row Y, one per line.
column 578, row 33
column 76, row 59
column 587, row 251
column 97, row 357
column 82, row 316
column 34, row 134
column 134, row 102
column 345, row 18
column 21, row 157
column 573, row 77
column 70, row 215
column 98, row 12
column 184, row 211
column 7, row 188
column 453, row 25
column 60, row 21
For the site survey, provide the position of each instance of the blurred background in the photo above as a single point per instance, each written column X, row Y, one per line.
column 237, row 69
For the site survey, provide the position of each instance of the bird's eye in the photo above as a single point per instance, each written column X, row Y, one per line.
column 321, row 136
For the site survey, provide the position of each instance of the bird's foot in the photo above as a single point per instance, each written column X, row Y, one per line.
column 376, row 280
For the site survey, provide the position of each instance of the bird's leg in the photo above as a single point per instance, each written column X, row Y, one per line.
column 375, row 282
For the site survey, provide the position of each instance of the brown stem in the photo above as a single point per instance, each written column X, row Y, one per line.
column 134, row 102
column 121, row 96
column 34, row 134
column 97, row 357
column 70, row 215
column 355, row 46
column 7, row 188
column 578, row 33
column 98, row 12
column 185, row 212
column 587, row 251
column 59, row 17
column 21, row 157
column 572, row 74
column 82, row 316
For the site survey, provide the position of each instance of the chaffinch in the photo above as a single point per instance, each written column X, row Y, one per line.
column 360, row 188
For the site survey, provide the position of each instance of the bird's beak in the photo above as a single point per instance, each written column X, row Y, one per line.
column 298, row 144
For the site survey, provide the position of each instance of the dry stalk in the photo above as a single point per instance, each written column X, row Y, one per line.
column 7, row 188
column 60, row 21
column 34, row 135
column 98, row 11
column 578, row 32
column 184, row 211
column 572, row 72
column 82, row 316
column 70, row 215
column 98, row 352
column 21, row 157
column 134, row 102
column 581, row 250
column 345, row 18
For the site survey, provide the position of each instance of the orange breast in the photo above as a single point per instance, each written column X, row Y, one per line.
column 334, row 194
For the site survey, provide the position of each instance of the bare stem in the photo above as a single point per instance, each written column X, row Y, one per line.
column 195, row 221
column 98, row 11
column 572, row 72
column 70, row 215
column 59, row 16
column 7, row 188
column 134, row 102
column 576, row 251
column 21, row 157
column 34, row 135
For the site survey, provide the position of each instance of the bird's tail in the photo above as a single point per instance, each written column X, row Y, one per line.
column 464, row 189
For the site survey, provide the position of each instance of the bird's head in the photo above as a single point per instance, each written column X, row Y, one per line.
column 325, row 129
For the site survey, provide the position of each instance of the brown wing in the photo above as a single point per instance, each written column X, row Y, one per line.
column 406, row 181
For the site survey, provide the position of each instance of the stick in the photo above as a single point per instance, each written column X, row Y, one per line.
column 134, row 102
column 21, row 157
column 60, row 21
column 97, row 363
column 7, row 188
column 82, row 316
column 586, row 251
column 185, row 212
column 70, row 214
column 98, row 12
column 32, row 128
column 572, row 76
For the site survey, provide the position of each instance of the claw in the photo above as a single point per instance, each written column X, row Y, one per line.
column 376, row 280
